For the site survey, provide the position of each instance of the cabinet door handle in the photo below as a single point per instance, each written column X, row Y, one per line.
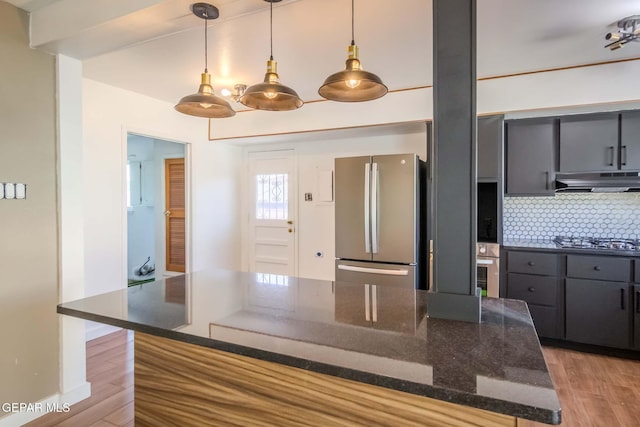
column 596, row 268
column 531, row 289
column 638, row 302
column 622, row 302
column 546, row 180
column 611, row 149
column 623, row 154
column 531, row 263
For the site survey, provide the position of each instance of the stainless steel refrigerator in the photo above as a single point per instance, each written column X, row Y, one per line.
column 379, row 225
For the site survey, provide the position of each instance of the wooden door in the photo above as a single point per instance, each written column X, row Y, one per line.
column 174, row 214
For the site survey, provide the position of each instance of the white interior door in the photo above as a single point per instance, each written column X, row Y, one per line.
column 272, row 225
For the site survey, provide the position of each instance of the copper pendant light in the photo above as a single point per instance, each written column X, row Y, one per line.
column 353, row 84
column 205, row 103
column 271, row 95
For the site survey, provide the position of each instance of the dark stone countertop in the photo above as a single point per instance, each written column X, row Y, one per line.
column 551, row 246
column 324, row 326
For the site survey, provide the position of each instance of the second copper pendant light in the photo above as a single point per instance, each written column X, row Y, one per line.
column 271, row 95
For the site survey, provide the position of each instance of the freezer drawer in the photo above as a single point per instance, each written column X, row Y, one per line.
column 375, row 273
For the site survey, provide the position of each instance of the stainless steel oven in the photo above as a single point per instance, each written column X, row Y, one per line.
column 488, row 263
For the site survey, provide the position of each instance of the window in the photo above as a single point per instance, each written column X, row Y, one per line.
column 272, row 196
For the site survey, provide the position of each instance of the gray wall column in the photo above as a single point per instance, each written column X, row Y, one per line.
column 453, row 294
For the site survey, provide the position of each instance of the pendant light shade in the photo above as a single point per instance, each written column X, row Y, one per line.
column 205, row 103
column 353, row 84
column 271, row 95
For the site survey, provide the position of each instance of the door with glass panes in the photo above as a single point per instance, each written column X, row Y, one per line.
column 272, row 241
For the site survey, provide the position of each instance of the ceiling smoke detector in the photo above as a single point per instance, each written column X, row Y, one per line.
column 628, row 31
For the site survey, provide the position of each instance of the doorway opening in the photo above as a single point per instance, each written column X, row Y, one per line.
column 156, row 200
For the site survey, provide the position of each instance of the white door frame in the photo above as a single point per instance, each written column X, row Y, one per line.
column 246, row 208
column 187, row 195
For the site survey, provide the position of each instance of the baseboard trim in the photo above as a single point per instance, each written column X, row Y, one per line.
column 55, row 403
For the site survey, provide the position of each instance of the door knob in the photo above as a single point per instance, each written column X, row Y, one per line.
column 167, row 213
column 289, row 222
column 291, row 230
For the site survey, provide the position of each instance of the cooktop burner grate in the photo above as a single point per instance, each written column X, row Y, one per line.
column 598, row 243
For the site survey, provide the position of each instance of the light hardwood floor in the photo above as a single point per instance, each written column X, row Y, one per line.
column 594, row 390
column 110, row 372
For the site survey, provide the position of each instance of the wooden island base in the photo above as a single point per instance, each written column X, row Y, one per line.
column 183, row 384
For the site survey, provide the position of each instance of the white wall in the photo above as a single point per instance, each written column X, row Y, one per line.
column 109, row 113
column 109, row 110
column 523, row 94
column 316, row 152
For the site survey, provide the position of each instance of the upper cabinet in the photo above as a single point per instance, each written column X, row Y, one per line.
column 630, row 140
column 490, row 137
column 530, row 152
column 600, row 142
column 589, row 143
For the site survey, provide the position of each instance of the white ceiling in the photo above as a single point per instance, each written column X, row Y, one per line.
column 160, row 53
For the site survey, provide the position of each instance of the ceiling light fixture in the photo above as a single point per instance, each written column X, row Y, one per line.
column 205, row 103
column 353, row 84
column 628, row 30
column 271, row 95
column 238, row 91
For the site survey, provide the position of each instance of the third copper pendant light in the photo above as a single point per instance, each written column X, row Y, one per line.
column 353, row 84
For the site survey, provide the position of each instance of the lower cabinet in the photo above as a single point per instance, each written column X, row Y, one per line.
column 597, row 312
column 588, row 299
column 532, row 277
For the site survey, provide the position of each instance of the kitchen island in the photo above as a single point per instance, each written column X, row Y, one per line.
column 220, row 347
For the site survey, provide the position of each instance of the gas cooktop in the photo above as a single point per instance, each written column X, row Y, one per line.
column 598, row 243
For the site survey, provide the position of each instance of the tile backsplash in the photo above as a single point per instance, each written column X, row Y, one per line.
column 581, row 215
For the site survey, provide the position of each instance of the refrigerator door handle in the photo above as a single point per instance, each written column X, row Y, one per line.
column 374, row 303
column 374, row 209
column 367, row 208
column 385, row 271
column 367, row 305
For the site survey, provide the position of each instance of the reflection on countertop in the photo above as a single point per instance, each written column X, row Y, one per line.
column 334, row 329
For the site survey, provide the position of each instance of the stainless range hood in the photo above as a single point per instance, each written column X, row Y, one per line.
column 605, row 182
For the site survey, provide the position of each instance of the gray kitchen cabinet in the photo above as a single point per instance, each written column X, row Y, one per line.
column 612, row 269
column 533, row 277
column 490, row 136
column 597, row 312
column 630, row 140
column 598, row 304
column 589, row 143
column 531, row 146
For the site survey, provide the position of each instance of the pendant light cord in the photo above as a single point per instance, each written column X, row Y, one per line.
column 271, row 28
column 353, row 37
column 206, row 50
